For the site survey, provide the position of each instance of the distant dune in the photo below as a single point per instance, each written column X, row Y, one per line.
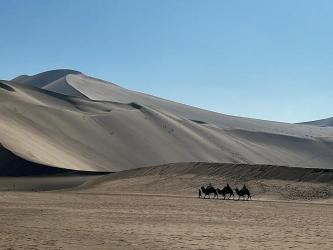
column 322, row 123
column 65, row 119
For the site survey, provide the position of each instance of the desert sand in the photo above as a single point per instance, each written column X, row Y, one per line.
column 156, row 208
column 84, row 221
column 87, row 164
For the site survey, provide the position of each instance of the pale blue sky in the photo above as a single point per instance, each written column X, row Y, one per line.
column 264, row 59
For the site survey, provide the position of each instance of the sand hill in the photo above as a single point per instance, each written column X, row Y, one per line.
column 322, row 123
column 65, row 119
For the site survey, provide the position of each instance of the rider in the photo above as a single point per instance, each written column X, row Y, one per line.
column 210, row 185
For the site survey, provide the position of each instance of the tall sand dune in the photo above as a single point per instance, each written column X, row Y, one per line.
column 66, row 119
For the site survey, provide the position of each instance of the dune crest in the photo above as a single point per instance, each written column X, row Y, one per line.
column 321, row 123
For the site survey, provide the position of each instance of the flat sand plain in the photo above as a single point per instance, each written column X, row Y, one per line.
column 83, row 220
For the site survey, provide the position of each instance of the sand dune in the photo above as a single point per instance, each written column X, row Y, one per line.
column 43, row 79
column 322, row 123
column 184, row 179
column 66, row 119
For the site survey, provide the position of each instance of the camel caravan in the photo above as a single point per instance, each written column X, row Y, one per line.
column 227, row 190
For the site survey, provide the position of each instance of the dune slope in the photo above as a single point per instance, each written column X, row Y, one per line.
column 66, row 119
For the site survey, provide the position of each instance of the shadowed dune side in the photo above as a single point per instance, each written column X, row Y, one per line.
column 12, row 165
column 60, row 86
column 18, row 174
column 6, row 87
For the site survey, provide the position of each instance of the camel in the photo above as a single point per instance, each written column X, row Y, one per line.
column 226, row 190
column 244, row 191
column 209, row 190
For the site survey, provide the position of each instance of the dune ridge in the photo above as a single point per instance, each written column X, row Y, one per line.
column 241, row 172
column 328, row 122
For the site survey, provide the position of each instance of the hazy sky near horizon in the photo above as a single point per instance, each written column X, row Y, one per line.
column 263, row 59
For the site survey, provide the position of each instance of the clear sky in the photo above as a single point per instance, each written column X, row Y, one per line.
column 264, row 59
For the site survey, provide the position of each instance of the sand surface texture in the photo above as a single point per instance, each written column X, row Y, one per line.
column 153, row 209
